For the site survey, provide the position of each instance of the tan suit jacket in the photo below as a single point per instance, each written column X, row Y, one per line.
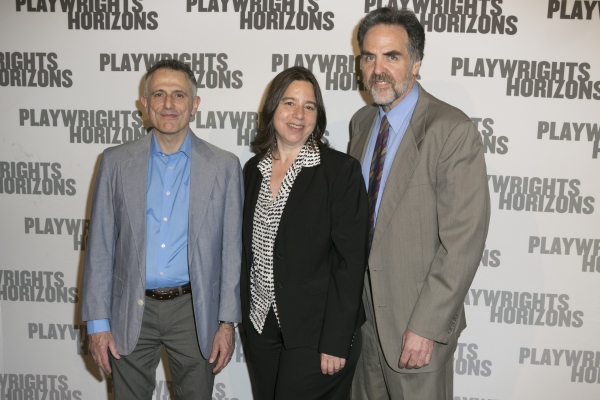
column 431, row 227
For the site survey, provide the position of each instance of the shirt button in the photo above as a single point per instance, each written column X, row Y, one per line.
column 168, row 193
column 141, row 302
column 165, row 219
column 170, row 167
column 163, row 154
column 162, row 245
column 160, row 273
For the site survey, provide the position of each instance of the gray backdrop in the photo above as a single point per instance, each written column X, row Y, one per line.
column 527, row 72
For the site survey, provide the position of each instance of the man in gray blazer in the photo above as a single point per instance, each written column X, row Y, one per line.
column 164, row 252
column 424, row 165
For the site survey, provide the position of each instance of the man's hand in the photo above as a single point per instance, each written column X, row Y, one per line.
column 416, row 351
column 222, row 348
column 99, row 344
column 331, row 364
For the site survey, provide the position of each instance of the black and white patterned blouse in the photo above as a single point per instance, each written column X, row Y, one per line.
column 266, row 222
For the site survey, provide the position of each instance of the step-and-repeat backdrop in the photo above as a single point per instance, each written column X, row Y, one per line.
column 526, row 72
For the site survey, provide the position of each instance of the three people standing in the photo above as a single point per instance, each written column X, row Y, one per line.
column 167, row 238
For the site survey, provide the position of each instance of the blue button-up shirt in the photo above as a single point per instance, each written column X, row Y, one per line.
column 398, row 117
column 167, row 206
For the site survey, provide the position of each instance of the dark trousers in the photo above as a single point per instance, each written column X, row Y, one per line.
column 169, row 323
column 288, row 374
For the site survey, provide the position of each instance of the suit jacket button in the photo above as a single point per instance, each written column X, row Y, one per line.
column 141, row 302
column 279, row 256
column 449, row 331
column 279, row 285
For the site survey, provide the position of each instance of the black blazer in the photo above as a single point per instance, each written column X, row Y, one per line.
column 320, row 253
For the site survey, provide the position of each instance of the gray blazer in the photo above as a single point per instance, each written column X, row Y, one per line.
column 115, row 264
column 431, row 228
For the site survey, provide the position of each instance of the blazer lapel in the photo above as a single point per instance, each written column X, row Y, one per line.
column 403, row 166
column 202, row 178
column 251, row 198
column 134, row 173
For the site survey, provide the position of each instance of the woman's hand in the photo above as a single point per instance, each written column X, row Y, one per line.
column 331, row 364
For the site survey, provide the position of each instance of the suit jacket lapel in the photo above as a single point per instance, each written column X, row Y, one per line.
column 202, row 178
column 134, row 173
column 402, row 169
column 403, row 166
column 358, row 145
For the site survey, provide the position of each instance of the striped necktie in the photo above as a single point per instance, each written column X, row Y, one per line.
column 376, row 171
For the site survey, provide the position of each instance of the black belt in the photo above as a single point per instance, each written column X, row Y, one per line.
column 169, row 293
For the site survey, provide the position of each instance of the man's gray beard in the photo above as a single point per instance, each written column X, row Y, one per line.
column 388, row 96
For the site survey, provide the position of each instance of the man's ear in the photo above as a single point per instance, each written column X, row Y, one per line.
column 196, row 105
column 416, row 67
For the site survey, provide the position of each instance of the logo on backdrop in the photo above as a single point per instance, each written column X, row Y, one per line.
column 244, row 122
column 33, row 70
column 45, row 331
column 77, row 228
column 122, row 126
column 468, row 362
column 584, row 363
column 114, row 15
column 238, row 356
column 464, row 16
column 165, row 390
column 556, row 80
column 36, row 286
column 30, row 386
column 492, row 144
column 220, row 392
column 89, row 126
column 342, row 72
column 490, row 258
column 573, row 9
column 571, row 131
column 524, row 308
column 272, row 15
column 536, row 194
column 211, row 69
column 38, row 178
column 589, row 249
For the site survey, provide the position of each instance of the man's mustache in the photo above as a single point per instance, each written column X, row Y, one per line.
column 383, row 77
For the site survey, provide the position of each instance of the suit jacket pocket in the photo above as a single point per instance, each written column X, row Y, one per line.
column 318, row 285
column 117, row 286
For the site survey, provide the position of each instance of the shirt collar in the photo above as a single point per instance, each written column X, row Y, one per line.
column 309, row 156
column 185, row 148
column 398, row 114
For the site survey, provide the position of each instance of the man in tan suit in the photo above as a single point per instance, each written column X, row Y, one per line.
column 424, row 165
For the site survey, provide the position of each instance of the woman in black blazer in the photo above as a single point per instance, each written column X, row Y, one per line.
column 305, row 246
